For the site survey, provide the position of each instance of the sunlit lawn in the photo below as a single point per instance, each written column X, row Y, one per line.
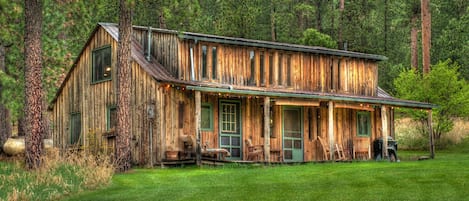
column 444, row 178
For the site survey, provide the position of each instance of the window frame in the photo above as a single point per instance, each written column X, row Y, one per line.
column 366, row 115
column 76, row 140
column 204, row 62
column 210, row 108
column 108, row 116
column 95, row 80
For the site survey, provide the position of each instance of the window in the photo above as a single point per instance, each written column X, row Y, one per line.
column 75, row 128
column 204, row 61
column 280, row 69
column 101, row 69
column 289, row 73
column 261, row 68
column 363, row 123
column 214, row 62
column 206, row 118
column 271, row 69
column 252, row 55
column 111, row 118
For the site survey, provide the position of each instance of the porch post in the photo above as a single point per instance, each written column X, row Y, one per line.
column 267, row 129
column 384, row 121
column 197, row 127
column 331, row 130
column 430, row 134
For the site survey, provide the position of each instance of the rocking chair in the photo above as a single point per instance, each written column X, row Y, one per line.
column 254, row 151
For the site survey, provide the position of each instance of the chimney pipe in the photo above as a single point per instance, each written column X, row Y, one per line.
column 148, row 43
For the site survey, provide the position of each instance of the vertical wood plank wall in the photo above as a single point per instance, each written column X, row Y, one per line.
column 308, row 71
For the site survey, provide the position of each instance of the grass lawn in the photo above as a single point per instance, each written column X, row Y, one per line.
column 444, row 178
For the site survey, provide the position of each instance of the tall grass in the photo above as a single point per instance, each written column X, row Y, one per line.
column 409, row 135
column 59, row 176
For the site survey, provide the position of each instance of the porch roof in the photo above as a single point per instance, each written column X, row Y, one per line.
column 382, row 99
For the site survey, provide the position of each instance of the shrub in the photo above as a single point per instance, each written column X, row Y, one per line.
column 60, row 175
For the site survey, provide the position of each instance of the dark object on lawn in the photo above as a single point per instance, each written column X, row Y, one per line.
column 392, row 149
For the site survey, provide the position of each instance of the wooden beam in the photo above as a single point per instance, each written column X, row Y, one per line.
column 430, row 134
column 331, row 97
column 384, row 121
column 197, row 126
column 293, row 102
column 267, row 129
column 355, row 106
column 331, row 129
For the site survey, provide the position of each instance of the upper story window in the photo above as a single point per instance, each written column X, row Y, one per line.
column 204, row 62
column 271, row 69
column 262, row 68
column 289, row 69
column 214, row 62
column 252, row 60
column 280, row 69
column 209, row 61
column 101, row 64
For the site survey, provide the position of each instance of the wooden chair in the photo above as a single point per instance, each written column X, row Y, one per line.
column 325, row 148
column 362, row 149
column 339, row 149
column 254, row 151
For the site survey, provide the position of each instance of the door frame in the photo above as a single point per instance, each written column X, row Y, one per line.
column 240, row 126
column 300, row 109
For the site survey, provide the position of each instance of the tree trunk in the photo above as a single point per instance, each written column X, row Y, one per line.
column 414, row 50
column 385, row 32
column 318, row 15
column 5, row 123
column 33, row 107
column 273, row 30
column 341, row 19
column 426, row 34
column 123, row 87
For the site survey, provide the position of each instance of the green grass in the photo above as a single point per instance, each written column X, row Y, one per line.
column 444, row 178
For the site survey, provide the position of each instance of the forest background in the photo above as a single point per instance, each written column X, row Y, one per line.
column 385, row 27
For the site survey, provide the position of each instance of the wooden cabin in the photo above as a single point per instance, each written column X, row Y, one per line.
column 297, row 103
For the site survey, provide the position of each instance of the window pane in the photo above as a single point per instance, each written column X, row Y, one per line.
column 235, row 141
column 235, row 152
column 363, row 123
column 261, row 68
column 288, row 154
column 288, row 143
column 206, row 117
column 214, row 62
column 252, row 81
column 297, row 144
column 204, row 61
column 101, row 64
column 225, row 140
column 75, row 128
column 112, row 118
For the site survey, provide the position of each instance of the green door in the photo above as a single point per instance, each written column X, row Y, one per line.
column 292, row 134
column 230, row 128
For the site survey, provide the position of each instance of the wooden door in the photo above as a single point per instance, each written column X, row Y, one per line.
column 230, row 128
column 292, row 134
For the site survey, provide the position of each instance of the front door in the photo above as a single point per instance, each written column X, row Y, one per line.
column 230, row 128
column 292, row 134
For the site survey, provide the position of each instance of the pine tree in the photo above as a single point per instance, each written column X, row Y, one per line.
column 34, row 103
column 123, row 89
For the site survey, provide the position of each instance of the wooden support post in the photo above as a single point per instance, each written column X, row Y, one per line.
column 384, row 121
column 197, row 127
column 430, row 134
column 267, row 129
column 331, row 130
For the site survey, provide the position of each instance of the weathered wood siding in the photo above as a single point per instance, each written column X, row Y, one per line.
column 281, row 69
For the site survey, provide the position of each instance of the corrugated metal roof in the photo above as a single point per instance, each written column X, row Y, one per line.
column 267, row 44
